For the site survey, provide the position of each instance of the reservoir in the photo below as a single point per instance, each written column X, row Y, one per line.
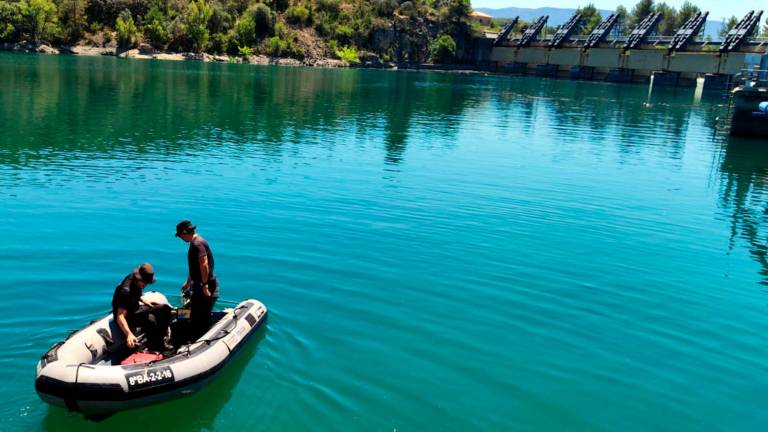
column 438, row 251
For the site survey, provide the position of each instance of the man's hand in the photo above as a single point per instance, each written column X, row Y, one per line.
column 206, row 291
column 131, row 341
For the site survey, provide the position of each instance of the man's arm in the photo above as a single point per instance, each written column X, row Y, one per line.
column 122, row 322
column 204, row 274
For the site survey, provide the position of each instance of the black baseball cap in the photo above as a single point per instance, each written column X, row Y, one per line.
column 185, row 227
column 146, row 272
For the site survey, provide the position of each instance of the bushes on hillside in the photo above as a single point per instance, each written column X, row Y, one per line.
column 198, row 15
column 228, row 25
column 10, row 21
column 39, row 20
column 257, row 21
column 442, row 49
column 298, row 15
column 154, row 28
column 127, row 34
column 349, row 55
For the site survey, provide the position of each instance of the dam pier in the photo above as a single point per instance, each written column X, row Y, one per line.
column 677, row 60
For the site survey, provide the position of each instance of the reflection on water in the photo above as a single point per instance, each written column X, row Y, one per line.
column 744, row 192
column 440, row 248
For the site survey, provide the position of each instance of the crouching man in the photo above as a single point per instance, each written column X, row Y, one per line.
column 131, row 311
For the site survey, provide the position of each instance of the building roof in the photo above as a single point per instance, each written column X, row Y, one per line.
column 479, row 15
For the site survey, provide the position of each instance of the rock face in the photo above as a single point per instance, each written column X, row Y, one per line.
column 46, row 49
column 89, row 50
column 132, row 53
column 329, row 63
column 258, row 60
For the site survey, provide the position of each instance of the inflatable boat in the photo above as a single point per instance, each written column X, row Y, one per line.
column 88, row 372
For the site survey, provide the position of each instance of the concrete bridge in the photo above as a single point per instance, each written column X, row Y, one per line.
column 676, row 60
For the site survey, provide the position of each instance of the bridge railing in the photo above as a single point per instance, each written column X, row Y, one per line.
column 752, row 78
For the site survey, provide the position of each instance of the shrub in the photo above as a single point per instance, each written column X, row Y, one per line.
column 276, row 46
column 39, row 19
column 331, row 7
column 298, row 15
column 221, row 20
column 333, row 46
column 10, row 19
column 198, row 15
column 343, row 33
column 348, row 54
column 177, row 33
column 442, row 49
column 258, row 21
column 127, row 34
column 263, row 18
column 154, row 27
column 220, row 43
column 281, row 5
column 245, row 52
column 244, row 32
column 385, row 8
column 323, row 24
column 284, row 45
column 107, row 11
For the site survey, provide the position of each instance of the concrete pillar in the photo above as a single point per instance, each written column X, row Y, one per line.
column 620, row 75
column 515, row 68
column 666, row 79
column 545, row 70
column 582, row 73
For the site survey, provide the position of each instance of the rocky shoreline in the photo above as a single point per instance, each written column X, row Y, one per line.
column 148, row 53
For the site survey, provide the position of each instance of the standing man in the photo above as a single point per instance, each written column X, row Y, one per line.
column 201, row 280
column 131, row 311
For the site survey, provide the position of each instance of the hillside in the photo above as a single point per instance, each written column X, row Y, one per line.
column 354, row 31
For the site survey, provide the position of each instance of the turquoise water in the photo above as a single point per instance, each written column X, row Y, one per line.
column 438, row 251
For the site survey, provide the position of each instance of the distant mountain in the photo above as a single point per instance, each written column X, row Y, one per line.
column 558, row 16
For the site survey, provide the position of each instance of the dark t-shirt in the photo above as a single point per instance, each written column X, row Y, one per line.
column 199, row 248
column 127, row 295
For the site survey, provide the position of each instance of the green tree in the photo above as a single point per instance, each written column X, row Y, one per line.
column 765, row 29
column 73, row 18
column 154, row 27
column 687, row 11
column 727, row 26
column 622, row 22
column 10, row 20
column 263, row 18
column 198, row 15
column 127, row 33
column 39, row 19
column 590, row 18
column 442, row 49
column 668, row 24
column 257, row 22
column 457, row 10
column 297, row 15
column 642, row 9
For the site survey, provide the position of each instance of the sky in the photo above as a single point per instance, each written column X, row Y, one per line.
column 716, row 8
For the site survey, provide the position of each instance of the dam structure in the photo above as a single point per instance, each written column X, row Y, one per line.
column 635, row 57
